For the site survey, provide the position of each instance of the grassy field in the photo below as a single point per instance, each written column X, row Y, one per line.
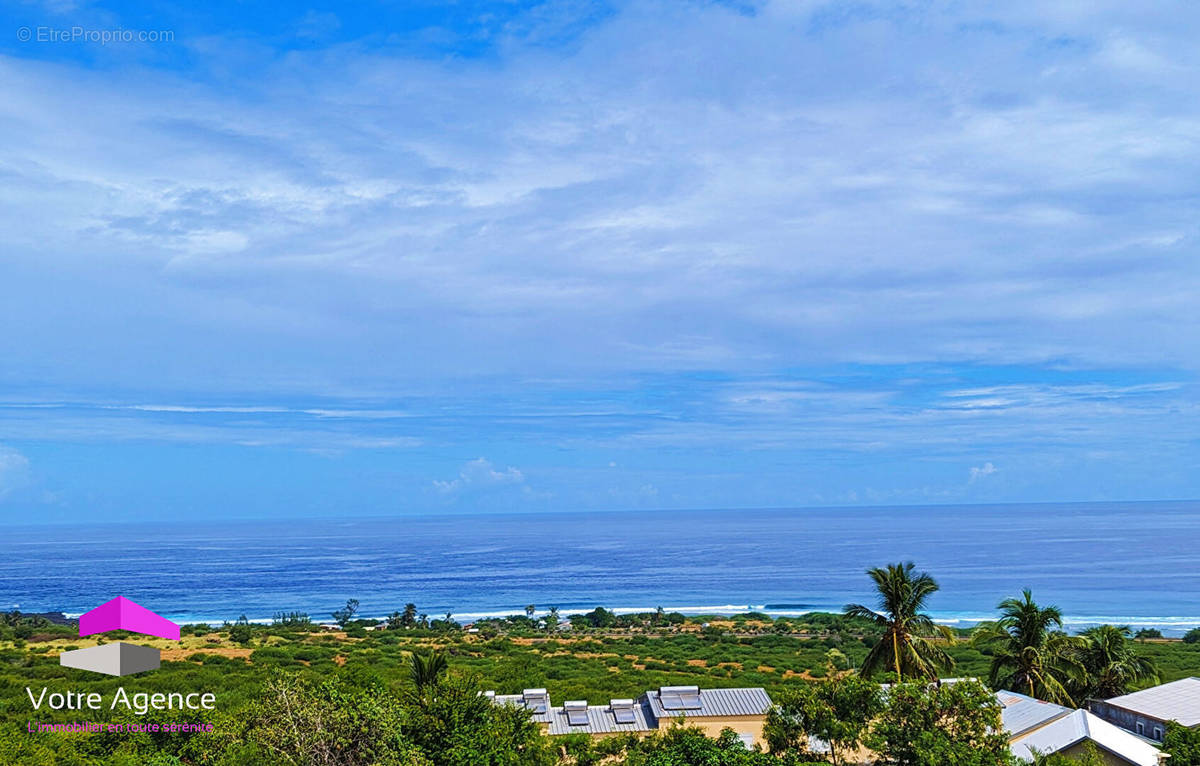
column 590, row 664
column 595, row 664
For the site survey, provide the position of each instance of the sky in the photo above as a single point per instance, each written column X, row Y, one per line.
column 394, row 258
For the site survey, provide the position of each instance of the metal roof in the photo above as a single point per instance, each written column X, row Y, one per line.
column 1079, row 726
column 1022, row 713
column 1176, row 701
column 600, row 720
column 715, row 702
column 518, row 700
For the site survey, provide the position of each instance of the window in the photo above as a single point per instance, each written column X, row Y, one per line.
column 1158, row 733
column 1141, row 728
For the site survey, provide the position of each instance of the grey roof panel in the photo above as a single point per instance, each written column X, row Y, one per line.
column 1022, row 713
column 600, row 720
column 1176, row 701
column 1080, row 726
column 752, row 701
column 518, row 700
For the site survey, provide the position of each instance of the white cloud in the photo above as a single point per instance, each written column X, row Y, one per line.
column 979, row 472
column 480, row 474
column 14, row 470
column 960, row 188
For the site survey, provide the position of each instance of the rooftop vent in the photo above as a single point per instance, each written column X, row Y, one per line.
column 537, row 700
column 577, row 712
column 679, row 697
column 622, row 711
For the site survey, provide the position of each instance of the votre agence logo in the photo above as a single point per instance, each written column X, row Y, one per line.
column 120, row 658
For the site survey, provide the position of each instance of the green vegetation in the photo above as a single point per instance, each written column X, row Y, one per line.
column 838, row 711
column 407, row 690
column 1030, row 652
column 906, row 647
column 926, row 725
column 1183, row 744
column 1108, row 664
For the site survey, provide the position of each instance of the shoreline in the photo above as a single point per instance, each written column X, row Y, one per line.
column 1171, row 626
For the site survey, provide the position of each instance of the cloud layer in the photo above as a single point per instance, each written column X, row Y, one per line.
column 687, row 229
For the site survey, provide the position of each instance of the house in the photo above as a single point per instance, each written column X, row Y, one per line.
column 536, row 701
column 712, row 710
column 1035, row 726
column 619, row 716
column 744, row 710
column 1145, row 713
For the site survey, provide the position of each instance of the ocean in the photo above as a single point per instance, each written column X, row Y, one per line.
column 1124, row 563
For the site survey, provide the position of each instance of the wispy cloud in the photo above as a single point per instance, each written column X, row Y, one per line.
column 480, row 474
column 979, row 472
column 788, row 251
column 14, row 470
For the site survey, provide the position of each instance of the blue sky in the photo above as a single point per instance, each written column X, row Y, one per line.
column 450, row 257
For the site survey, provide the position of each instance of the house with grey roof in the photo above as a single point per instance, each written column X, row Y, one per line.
column 1038, row 727
column 1146, row 712
column 712, row 710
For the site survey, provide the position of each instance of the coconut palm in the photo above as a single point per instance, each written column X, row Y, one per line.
column 907, row 647
column 425, row 669
column 1031, row 653
column 1109, row 665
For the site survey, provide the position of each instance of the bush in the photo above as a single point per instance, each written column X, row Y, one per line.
column 1192, row 636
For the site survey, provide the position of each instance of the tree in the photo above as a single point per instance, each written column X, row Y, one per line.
column 938, row 724
column 906, row 647
column 409, row 618
column 600, row 618
column 241, row 633
column 1145, row 633
column 686, row 746
column 425, row 669
column 395, row 621
column 1183, row 744
column 1109, row 665
column 1031, row 654
column 1192, row 636
column 454, row 724
column 529, row 610
column 346, row 613
column 551, row 619
column 328, row 724
column 838, row 711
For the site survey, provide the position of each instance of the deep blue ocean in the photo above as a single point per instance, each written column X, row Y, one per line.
column 1128, row 563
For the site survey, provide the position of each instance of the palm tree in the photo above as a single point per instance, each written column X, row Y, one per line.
column 1109, row 665
column 409, row 618
column 906, row 647
column 1032, row 654
column 425, row 669
column 529, row 610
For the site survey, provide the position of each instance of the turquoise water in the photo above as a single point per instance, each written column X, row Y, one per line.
column 1131, row 563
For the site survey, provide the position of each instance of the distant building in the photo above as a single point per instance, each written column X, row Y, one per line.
column 712, row 710
column 1035, row 726
column 1146, row 713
